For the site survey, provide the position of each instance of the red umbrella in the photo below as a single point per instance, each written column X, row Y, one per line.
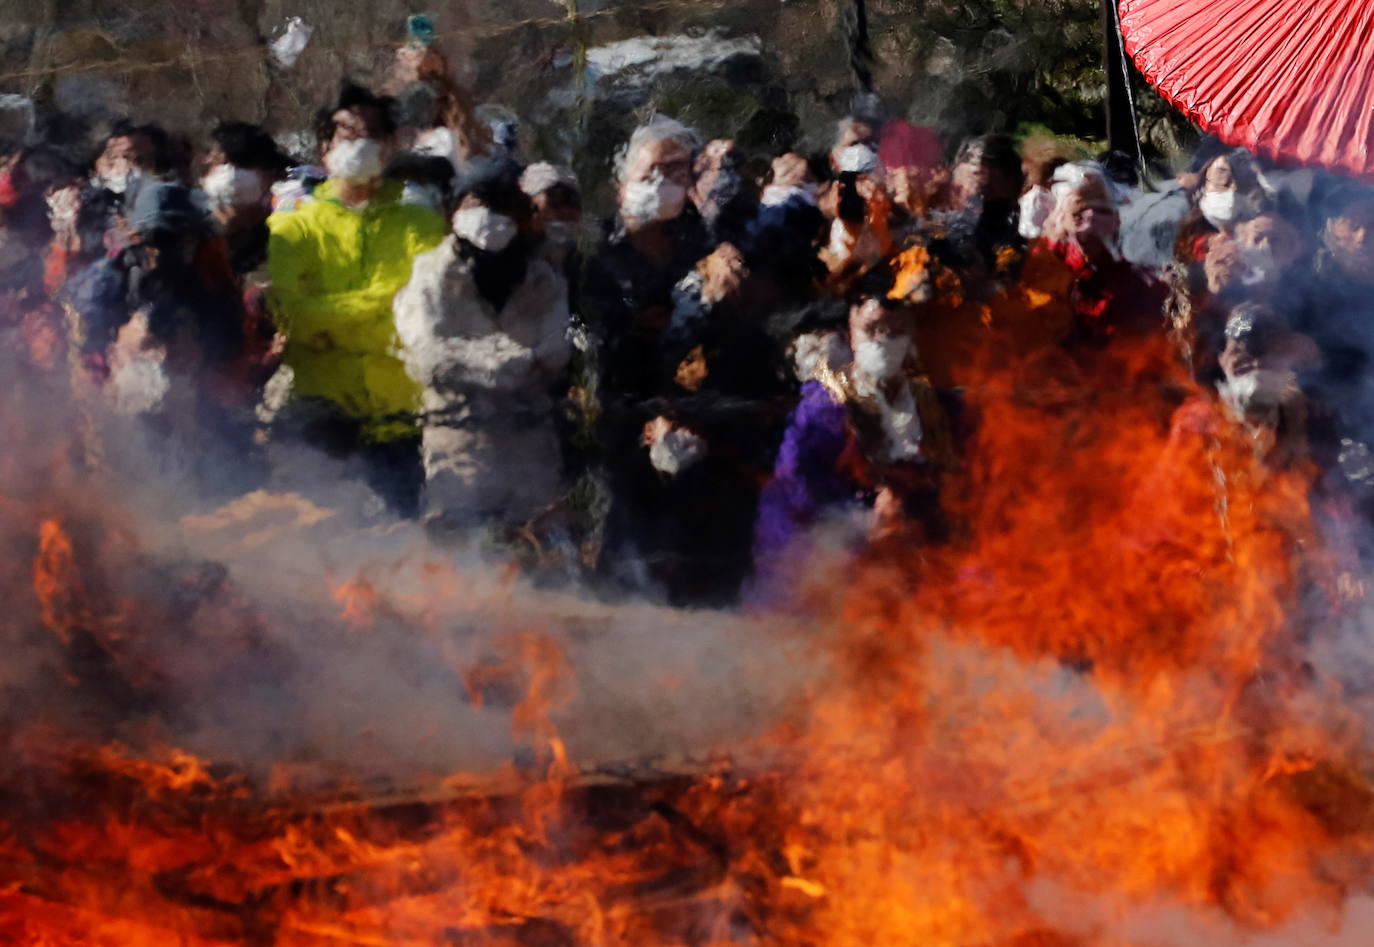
column 1290, row 79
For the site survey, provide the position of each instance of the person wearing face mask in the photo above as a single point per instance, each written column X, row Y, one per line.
column 336, row 263
column 788, row 228
column 850, row 131
column 655, row 240
column 1258, row 383
column 239, row 170
column 166, row 322
column 1272, row 254
column 680, row 502
column 557, row 218
column 483, row 325
column 427, row 180
column 1227, row 192
column 131, row 152
column 1280, row 453
column 1038, row 201
column 170, row 267
column 240, row 167
column 1263, row 261
column 1077, row 263
column 436, row 114
column 721, row 195
column 859, row 212
column 871, row 436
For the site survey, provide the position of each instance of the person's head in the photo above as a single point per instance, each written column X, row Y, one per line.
column 1349, row 234
column 987, row 167
column 911, row 157
column 245, row 145
column 850, row 131
column 1094, row 220
column 719, row 177
column 790, row 179
column 39, row 192
column 556, row 201
column 130, row 152
column 167, row 227
column 418, row 106
column 503, row 127
column 1229, row 190
column 791, row 170
column 880, row 337
column 428, row 180
column 492, row 212
column 46, row 169
column 357, row 136
column 239, row 168
column 493, row 224
column 1253, row 361
column 1251, row 330
column 1268, row 243
column 94, row 210
column 1120, row 168
column 1085, row 211
column 655, row 172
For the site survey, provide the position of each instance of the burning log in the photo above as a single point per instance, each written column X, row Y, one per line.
column 360, row 857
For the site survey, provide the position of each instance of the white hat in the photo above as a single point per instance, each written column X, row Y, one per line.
column 541, row 176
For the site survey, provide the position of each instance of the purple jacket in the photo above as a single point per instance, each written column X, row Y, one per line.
column 806, row 483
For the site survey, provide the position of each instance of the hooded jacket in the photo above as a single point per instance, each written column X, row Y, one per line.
column 490, row 446
column 335, row 271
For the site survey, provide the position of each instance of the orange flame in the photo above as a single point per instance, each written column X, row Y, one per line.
column 1092, row 698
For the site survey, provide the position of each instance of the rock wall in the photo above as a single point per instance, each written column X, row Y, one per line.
column 576, row 70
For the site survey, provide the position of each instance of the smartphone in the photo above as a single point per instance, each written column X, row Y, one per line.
column 420, row 29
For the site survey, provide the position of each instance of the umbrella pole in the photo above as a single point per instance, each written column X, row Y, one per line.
column 860, row 47
column 1122, row 133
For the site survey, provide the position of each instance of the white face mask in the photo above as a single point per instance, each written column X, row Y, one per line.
column 227, row 186
column 560, row 233
column 422, row 195
column 1036, row 205
column 675, row 451
column 357, row 161
column 1222, row 207
column 118, row 181
column 775, row 195
column 484, row 229
column 857, row 159
column 882, row 358
column 644, row 202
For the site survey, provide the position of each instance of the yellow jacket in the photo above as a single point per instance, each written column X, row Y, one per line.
column 335, row 271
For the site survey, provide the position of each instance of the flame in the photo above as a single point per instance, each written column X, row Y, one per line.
column 57, row 581
column 1090, row 700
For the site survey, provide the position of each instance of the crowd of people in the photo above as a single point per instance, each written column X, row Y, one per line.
column 751, row 346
